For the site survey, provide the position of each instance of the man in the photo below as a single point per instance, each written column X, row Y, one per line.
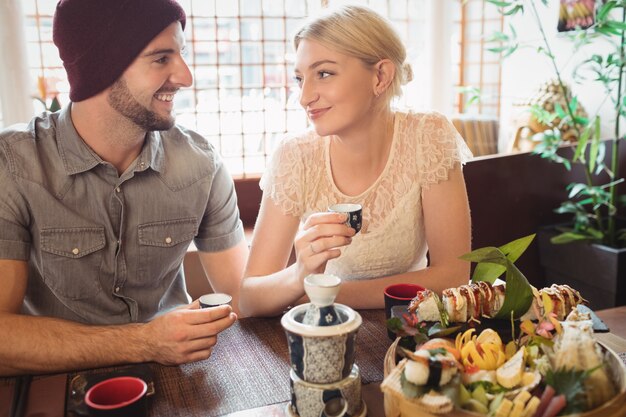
column 100, row 201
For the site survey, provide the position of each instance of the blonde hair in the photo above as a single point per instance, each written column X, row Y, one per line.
column 360, row 32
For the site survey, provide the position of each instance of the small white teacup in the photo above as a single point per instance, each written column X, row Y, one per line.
column 214, row 300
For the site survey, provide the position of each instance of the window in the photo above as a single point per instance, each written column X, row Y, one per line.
column 243, row 99
column 475, row 20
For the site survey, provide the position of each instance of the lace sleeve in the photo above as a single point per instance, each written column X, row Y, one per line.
column 283, row 179
column 439, row 147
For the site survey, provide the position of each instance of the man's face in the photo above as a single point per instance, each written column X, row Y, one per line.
column 145, row 92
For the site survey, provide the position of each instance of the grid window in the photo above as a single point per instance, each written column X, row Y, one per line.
column 476, row 67
column 243, row 99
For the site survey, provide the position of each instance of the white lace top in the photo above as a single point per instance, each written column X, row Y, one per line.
column 425, row 147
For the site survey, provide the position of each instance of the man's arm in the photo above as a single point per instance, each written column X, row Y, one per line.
column 225, row 269
column 42, row 344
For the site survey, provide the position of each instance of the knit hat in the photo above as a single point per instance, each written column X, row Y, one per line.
column 99, row 39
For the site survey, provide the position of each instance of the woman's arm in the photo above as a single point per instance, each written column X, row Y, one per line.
column 269, row 286
column 448, row 234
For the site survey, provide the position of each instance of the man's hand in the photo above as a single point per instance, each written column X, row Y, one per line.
column 187, row 334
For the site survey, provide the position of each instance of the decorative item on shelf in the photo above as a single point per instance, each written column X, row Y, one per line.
column 548, row 97
column 44, row 96
column 594, row 203
column 322, row 340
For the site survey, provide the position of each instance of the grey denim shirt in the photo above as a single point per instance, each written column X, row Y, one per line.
column 103, row 248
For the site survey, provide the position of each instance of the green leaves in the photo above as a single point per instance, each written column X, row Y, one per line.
column 594, row 205
column 492, row 262
column 570, row 383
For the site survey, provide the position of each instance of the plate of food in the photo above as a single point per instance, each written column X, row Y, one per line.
column 464, row 362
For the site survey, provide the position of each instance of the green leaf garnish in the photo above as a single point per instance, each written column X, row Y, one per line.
column 518, row 296
column 570, row 382
column 437, row 351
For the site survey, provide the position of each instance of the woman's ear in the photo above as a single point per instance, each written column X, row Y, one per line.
column 384, row 71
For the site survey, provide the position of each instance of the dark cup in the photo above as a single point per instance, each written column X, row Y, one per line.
column 214, row 300
column 400, row 294
column 354, row 213
column 117, row 397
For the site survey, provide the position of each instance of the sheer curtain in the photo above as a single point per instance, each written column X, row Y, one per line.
column 15, row 86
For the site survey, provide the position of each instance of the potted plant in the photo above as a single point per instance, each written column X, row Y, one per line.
column 589, row 253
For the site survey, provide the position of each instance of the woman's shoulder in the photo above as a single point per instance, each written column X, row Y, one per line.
column 299, row 139
column 431, row 117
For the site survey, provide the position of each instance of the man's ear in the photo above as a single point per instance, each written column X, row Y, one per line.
column 384, row 71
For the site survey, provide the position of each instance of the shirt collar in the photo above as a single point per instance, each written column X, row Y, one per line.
column 79, row 157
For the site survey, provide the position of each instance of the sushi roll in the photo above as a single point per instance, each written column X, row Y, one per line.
column 433, row 364
column 425, row 305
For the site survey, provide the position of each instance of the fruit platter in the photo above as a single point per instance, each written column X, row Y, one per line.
column 543, row 361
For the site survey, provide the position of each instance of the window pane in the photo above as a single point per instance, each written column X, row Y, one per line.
column 251, row 29
column 204, row 29
column 274, row 29
column 204, row 53
column 252, row 76
column 251, row 7
column 251, row 52
column 274, row 52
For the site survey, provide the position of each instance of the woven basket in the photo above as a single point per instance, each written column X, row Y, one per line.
column 397, row 405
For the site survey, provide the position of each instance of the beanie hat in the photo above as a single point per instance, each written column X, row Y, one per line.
column 99, row 39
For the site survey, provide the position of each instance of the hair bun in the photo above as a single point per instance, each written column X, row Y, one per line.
column 407, row 73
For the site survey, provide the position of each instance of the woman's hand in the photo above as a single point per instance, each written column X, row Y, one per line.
column 319, row 241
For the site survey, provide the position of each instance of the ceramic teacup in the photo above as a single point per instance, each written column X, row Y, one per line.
column 118, row 397
column 214, row 300
column 321, row 354
column 399, row 294
column 354, row 213
column 341, row 398
column 322, row 289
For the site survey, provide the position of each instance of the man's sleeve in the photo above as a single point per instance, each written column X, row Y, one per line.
column 15, row 238
column 220, row 228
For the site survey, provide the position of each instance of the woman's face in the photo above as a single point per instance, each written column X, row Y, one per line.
column 336, row 90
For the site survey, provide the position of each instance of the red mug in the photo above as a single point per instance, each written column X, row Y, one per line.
column 400, row 294
column 119, row 396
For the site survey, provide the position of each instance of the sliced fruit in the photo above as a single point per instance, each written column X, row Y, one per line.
column 495, row 403
column 489, row 336
column 476, row 406
column 522, row 397
column 504, row 409
column 464, row 394
column 509, row 375
column 517, row 410
column 480, row 395
column 531, row 407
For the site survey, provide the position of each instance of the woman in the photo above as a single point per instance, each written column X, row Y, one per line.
column 403, row 168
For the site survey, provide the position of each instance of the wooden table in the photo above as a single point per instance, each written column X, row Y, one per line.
column 248, row 373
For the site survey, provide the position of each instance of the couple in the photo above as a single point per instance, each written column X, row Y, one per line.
column 100, row 200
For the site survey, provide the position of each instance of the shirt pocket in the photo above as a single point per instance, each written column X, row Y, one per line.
column 71, row 260
column 162, row 247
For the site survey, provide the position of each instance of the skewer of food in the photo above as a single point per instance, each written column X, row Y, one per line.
column 481, row 299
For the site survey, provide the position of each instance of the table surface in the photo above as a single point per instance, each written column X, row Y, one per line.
column 248, row 373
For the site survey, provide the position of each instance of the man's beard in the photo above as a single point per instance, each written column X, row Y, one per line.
column 121, row 99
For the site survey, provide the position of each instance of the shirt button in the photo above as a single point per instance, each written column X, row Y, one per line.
column 118, row 189
column 168, row 240
column 117, row 289
column 75, row 251
column 142, row 164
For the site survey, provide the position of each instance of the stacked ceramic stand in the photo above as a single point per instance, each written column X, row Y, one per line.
column 325, row 381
